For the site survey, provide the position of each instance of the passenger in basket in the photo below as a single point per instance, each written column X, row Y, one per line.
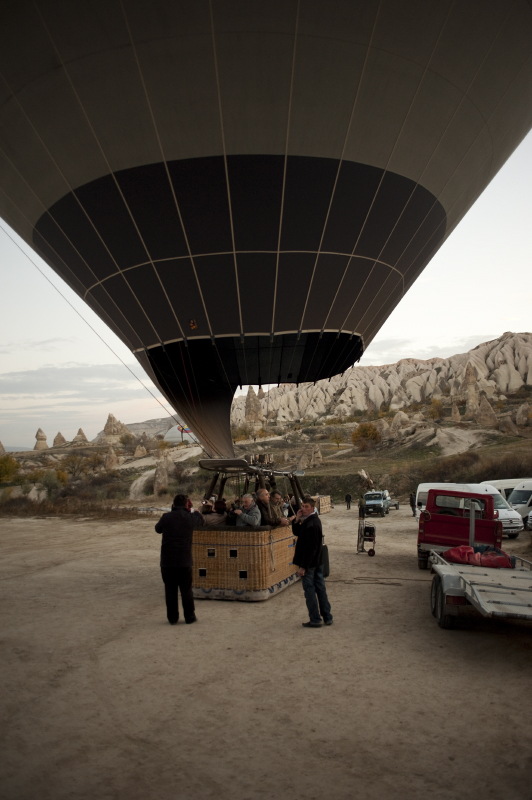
column 308, row 557
column 218, row 516
column 176, row 557
column 268, row 515
column 278, row 506
column 249, row 514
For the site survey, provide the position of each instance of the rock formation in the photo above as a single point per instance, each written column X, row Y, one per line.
column 160, row 480
column 111, row 461
column 260, row 394
column 140, row 452
column 399, row 421
column 113, row 430
column 253, row 408
column 499, row 367
column 485, row 415
column 470, row 390
column 455, row 413
column 59, row 440
column 80, row 438
column 522, row 416
column 2, row 450
column 40, row 444
column 507, row 426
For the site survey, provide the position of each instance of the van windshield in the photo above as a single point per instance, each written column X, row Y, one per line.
column 499, row 501
column 520, row 496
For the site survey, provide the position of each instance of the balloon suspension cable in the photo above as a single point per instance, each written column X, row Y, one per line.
column 177, row 421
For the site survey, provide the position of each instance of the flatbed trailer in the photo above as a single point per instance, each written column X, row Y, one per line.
column 462, row 589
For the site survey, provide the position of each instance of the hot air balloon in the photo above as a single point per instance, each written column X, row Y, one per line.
column 245, row 190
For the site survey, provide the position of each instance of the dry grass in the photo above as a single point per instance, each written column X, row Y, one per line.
column 69, row 506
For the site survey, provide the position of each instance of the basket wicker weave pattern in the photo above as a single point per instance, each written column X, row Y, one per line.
column 242, row 563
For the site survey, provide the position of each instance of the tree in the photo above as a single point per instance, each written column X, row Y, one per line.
column 163, row 445
column 337, row 438
column 435, row 410
column 262, row 433
column 35, row 475
column 94, row 462
column 365, row 436
column 128, row 442
column 9, row 468
column 75, row 464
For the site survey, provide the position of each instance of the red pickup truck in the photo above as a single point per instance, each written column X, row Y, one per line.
column 445, row 522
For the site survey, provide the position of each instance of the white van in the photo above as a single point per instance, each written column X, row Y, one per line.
column 512, row 521
column 505, row 487
column 521, row 500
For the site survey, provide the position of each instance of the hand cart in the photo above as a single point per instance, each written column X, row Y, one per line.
column 366, row 533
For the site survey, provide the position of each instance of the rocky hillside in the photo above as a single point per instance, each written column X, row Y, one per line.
column 501, row 366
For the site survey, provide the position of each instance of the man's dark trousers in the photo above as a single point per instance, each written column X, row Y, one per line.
column 178, row 578
column 348, row 504
column 316, row 593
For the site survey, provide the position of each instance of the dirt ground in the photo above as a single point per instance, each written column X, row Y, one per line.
column 101, row 698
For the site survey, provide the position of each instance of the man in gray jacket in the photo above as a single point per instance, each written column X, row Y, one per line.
column 249, row 514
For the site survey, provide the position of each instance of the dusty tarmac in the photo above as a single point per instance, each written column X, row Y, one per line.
column 101, row 698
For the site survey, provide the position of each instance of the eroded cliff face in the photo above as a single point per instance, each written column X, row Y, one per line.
column 500, row 366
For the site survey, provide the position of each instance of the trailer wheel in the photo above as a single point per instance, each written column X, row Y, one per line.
column 444, row 620
column 434, row 594
column 383, row 512
column 397, row 506
column 422, row 563
column 371, row 552
column 513, row 535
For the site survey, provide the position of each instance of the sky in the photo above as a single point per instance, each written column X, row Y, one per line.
column 56, row 374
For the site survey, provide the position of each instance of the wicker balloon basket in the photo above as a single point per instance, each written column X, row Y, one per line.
column 246, row 564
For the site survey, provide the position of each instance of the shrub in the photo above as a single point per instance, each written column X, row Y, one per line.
column 337, row 438
column 62, row 476
column 35, row 475
column 52, row 484
column 9, row 468
column 435, row 410
column 365, row 432
column 94, row 462
column 75, row 464
column 163, row 445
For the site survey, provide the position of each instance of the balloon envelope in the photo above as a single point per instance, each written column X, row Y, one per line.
column 243, row 190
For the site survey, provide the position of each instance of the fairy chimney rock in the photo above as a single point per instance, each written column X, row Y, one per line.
column 140, row 452
column 59, row 440
column 80, row 438
column 2, row 449
column 253, row 410
column 111, row 461
column 523, row 415
column 260, row 393
column 471, row 391
column 486, row 415
column 40, row 444
column 455, row 413
column 114, row 429
column 160, row 480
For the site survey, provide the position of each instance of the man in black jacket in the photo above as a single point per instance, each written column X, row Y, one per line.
column 308, row 557
column 176, row 557
column 348, row 499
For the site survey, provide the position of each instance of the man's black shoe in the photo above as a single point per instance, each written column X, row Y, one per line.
column 173, row 621
column 190, row 621
column 329, row 622
column 312, row 624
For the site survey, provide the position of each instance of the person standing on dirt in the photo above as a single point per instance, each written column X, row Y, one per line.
column 309, row 557
column 348, row 499
column 176, row 557
column 413, row 503
column 362, row 507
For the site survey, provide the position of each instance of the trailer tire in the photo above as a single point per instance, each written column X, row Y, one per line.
column 513, row 535
column 383, row 512
column 434, row 594
column 444, row 620
column 422, row 563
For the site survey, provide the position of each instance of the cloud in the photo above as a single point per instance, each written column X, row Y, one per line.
column 41, row 345
column 389, row 351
